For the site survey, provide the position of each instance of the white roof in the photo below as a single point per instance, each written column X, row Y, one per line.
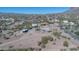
column 45, row 29
column 34, row 25
column 65, row 21
column 56, row 20
column 71, row 23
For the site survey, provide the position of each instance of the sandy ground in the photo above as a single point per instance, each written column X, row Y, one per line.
column 31, row 39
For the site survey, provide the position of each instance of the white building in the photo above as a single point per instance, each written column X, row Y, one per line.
column 46, row 29
column 71, row 23
column 65, row 21
column 34, row 25
column 56, row 20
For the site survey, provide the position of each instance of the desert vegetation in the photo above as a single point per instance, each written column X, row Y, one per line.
column 47, row 32
column 44, row 41
column 65, row 43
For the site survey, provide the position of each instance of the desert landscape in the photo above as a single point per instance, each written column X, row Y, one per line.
column 40, row 32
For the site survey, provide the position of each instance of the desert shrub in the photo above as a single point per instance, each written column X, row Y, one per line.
column 30, row 49
column 37, row 29
column 64, row 36
column 63, row 49
column 11, row 46
column 24, row 25
column 65, row 43
column 37, row 49
column 54, row 43
column 68, row 38
column 55, row 39
column 78, row 47
column 1, row 50
column 39, row 43
column 25, row 49
column 50, row 38
column 43, row 46
column 73, row 49
column 40, row 49
column 44, row 40
column 57, row 34
column 49, row 31
column 6, row 38
column 16, row 50
column 0, row 42
column 20, row 49
column 10, row 33
column 18, row 27
column 77, row 33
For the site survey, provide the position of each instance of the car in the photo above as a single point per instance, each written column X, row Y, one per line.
column 25, row 30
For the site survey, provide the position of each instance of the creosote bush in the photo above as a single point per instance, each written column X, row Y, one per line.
column 23, row 49
column 65, row 43
column 63, row 49
column 73, row 49
column 54, row 43
column 11, row 46
column 39, row 43
column 57, row 34
column 44, row 41
column 43, row 46
column 0, row 42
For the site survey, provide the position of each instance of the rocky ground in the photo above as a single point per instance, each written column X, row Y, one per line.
column 31, row 39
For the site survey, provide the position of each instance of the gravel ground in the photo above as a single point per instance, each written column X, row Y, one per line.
column 31, row 39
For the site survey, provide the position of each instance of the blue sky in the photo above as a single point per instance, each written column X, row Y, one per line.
column 33, row 10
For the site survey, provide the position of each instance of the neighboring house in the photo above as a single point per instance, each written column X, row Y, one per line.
column 34, row 25
column 46, row 29
column 56, row 20
column 65, row 21
column 8, row 19
column 44, row 23
column 71, row 23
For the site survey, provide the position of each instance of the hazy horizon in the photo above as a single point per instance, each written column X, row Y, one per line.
column 33, row 10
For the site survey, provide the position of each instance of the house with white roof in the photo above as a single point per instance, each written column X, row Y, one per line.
column 71, row 23
column 45, row 29
column 65, row 21
column 34, row 25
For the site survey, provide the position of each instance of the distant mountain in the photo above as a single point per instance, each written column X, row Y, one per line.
column 73, row 10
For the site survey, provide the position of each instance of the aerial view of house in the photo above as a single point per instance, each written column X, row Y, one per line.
column 39, row 28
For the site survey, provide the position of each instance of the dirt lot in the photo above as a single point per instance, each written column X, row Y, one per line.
column 31, row 39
